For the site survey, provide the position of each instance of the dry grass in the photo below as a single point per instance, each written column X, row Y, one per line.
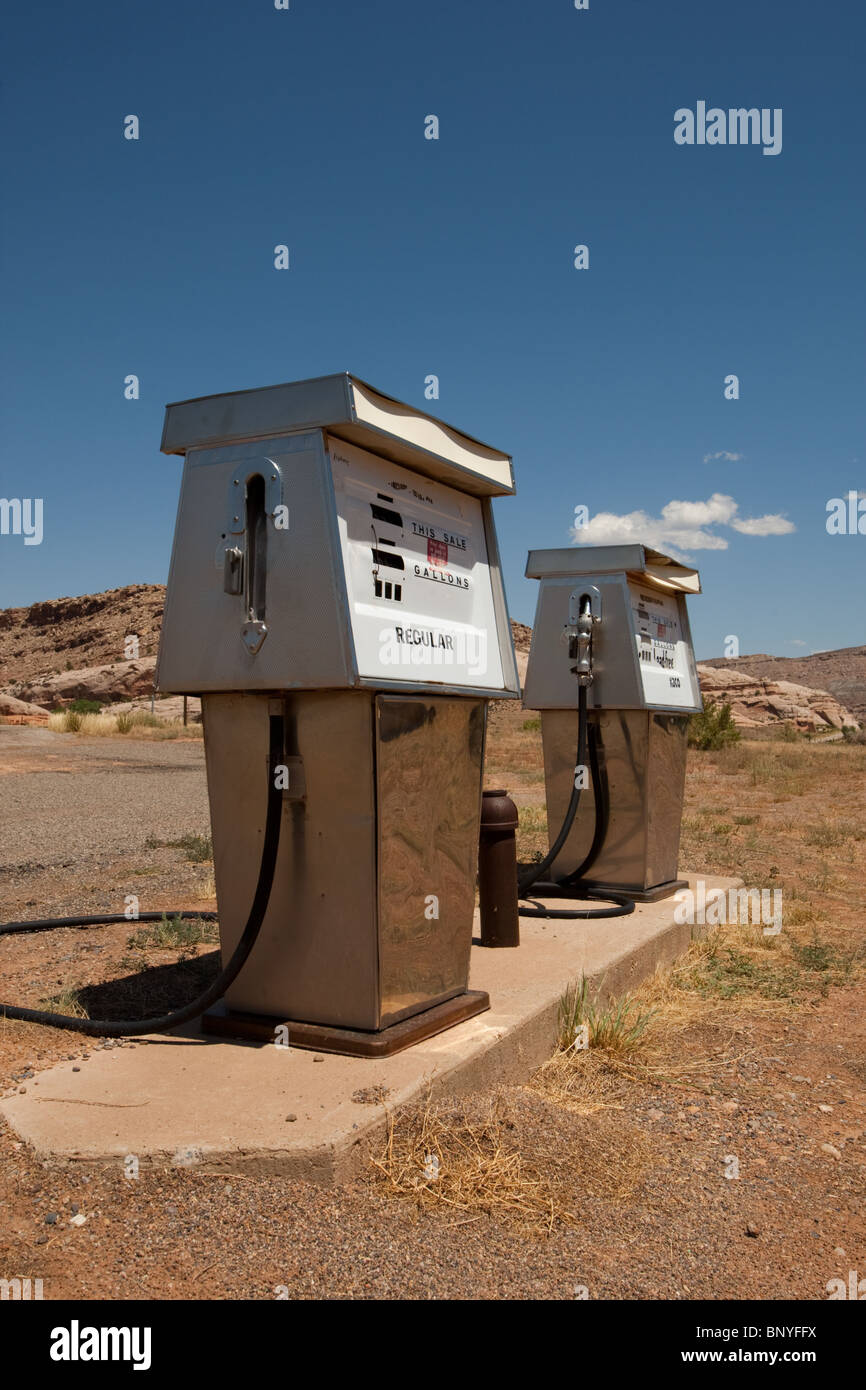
column 687, row 1023
column 442, row 1157
column 141, row 723
column 618, row 1026
column 787, row 770
column 66, row 1001
column 533, row 820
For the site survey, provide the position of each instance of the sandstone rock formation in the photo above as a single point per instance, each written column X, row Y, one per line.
column 170, row 707
column 107, row 684
column 755, row 701
column 78, row 633
column 13, row 711
column 91, row 634
column 841, row 672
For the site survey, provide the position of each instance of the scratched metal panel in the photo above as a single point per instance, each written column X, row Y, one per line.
column 315, row 960
column 428, row 784
column 644, row 757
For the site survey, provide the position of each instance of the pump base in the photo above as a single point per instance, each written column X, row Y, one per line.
column 348, row 1042
column 639, row 895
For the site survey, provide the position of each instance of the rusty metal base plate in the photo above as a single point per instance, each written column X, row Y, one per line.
column 348, row 1042
column 638, row 895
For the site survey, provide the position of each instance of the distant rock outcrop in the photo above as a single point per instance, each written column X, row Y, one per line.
column 755, row 701
column 79, row 633
column 841, row 672
column 14, row 711
column 94, row 637
column 122, row 680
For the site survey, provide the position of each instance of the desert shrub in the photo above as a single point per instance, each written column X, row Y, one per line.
column 85, row 706
column 713, row 727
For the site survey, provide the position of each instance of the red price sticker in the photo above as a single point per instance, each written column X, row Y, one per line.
column 437, row 552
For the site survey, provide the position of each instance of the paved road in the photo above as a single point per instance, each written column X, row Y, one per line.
column 73, row 797
column 81, row 806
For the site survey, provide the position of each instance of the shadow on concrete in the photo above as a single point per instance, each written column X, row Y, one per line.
column 151, row 992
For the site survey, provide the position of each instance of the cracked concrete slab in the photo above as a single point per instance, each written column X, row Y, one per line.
column 226, row 1106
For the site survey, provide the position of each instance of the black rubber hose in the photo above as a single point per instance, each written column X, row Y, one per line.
column 570, row 886
column 102, row 920
column 601, row 796
column 129, row 1028
column 533, row 874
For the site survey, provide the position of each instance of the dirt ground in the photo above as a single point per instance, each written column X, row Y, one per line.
column 721, row 1157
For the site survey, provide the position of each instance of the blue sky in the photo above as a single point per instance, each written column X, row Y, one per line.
column 455, row 257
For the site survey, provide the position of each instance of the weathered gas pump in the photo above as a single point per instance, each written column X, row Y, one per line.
column 611, row 635
column 335, row 564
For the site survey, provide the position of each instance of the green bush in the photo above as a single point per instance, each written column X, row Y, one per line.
column 85, row 706
column 713, row 728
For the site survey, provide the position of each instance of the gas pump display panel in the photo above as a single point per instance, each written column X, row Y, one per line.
column 662, row 647
column 417, row 574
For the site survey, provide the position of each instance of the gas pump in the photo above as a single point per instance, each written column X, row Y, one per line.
column 335, row 598
column 335, row 562
column 612, row 670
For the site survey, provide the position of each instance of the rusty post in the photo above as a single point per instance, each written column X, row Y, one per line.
column 497, row 870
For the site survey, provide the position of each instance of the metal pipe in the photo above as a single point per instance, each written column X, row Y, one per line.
column 497, row 870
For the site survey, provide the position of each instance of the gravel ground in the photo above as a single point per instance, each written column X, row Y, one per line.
column 643, row 1175
column 76, row 814
column 638, row 1171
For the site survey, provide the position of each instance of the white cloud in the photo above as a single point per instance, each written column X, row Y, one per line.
column 773, row 525
column 682, row 526
column 723, row 454
column 796, row 642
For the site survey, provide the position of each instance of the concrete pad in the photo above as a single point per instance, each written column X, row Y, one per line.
column 223, row 1105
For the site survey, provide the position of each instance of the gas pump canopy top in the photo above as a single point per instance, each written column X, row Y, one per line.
column 652, row 566
column 349, row 409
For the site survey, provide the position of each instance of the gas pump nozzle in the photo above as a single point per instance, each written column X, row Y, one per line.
column 584, row 611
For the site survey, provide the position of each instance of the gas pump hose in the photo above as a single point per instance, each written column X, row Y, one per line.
column 131, row 1027
column 570, row 886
